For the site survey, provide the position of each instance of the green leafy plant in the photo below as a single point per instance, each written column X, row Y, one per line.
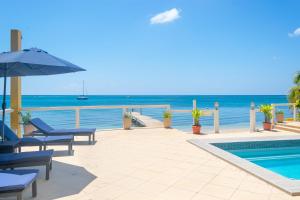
column 167, row 115
column 25, row 118
column 279, row 112
column 297, row 103
column 127, row 115
column 196, row 115
column 267, row 110
column 294, row 93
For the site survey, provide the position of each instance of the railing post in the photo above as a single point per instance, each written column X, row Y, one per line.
column 273, row 114
column 252, row 117
column 194, row 104
column 168, row 107
column 216, row 118
column 194, row 107
column 294, row 112
column 77, row 117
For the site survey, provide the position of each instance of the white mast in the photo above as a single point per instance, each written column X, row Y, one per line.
column 82, row 88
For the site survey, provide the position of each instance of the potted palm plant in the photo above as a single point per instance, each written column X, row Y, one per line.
column 196, row 115
column 27, row 127
column 279, row 116
column 127, row 120
column 267, row 110
column 167, row 119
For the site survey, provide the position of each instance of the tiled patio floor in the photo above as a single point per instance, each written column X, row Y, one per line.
column 147, row 164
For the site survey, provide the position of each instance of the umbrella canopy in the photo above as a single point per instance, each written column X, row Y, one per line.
column 31, row 62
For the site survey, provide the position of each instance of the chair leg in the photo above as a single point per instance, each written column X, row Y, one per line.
column 51, row 165
column 94, row 138
column 47, row 171
column 19, row 149
column 34, row 189
column 90, row 141
column 19, row 196
column 70, row 149
column 40, row 148
column 45, row 147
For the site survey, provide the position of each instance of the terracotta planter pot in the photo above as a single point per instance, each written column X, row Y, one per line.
column 127, row 123
column 196, row 129
column 167, row 122
column 267, row 126
column 28, row 129
column 279, row 118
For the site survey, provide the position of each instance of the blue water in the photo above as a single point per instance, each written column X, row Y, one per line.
column 234, row 109
column 282, row 160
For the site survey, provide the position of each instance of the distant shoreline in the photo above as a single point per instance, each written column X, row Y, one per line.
column 155, row 95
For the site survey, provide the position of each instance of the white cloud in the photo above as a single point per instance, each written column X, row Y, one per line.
column 295, row 33
column 165, row 17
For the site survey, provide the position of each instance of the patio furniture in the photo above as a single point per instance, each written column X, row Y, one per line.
column 42, row 141
column 27, row 159
column 30, row 62
column 49, row 131
column 8, row 146
column 14, row 182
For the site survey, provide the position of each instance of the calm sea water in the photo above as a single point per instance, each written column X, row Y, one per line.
column 234, row 109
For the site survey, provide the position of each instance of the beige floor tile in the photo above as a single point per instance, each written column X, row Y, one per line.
column 226, row 181
column 258, row 186
column 200, row 196
column 244, row 195
column 152, row 188
column 135, row 195
column 129, row 182
column 217, row 191
column 175, row 193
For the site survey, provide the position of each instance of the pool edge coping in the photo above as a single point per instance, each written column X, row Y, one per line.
column 289, row 186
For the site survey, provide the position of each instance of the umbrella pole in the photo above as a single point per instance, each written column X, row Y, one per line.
column 3, row 105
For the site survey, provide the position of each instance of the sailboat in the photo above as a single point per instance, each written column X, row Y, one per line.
column 83, row 96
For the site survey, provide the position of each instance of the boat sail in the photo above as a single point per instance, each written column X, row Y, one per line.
column 83, row 96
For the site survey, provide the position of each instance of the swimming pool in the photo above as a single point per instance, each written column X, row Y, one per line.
column 282, row 156
column 276, row 160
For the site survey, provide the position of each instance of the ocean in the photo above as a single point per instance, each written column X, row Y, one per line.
column 234, row 109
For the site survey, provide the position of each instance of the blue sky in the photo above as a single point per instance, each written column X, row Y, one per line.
column 201, row 47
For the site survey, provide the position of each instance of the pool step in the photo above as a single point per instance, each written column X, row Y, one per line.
column 286, row 127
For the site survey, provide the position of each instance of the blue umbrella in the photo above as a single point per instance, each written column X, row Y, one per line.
column 31, row 62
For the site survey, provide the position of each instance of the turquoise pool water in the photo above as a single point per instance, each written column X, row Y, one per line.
column 281, row 157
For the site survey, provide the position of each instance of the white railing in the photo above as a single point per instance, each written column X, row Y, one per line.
column 206, row 112
column 254, row 110
column 78, row 108
column 9, row 110
column 283, row 105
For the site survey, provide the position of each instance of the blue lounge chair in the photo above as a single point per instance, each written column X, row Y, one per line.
column 42, row 141
column 27, row 159
column 49, row 131
column 14, row 182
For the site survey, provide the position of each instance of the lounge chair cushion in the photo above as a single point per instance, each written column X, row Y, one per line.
column 29, row 141
column 48, row 130
column 16, row 180
column 9, row 134
column 41, row 125
column 80, row 131
column 25, row 157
